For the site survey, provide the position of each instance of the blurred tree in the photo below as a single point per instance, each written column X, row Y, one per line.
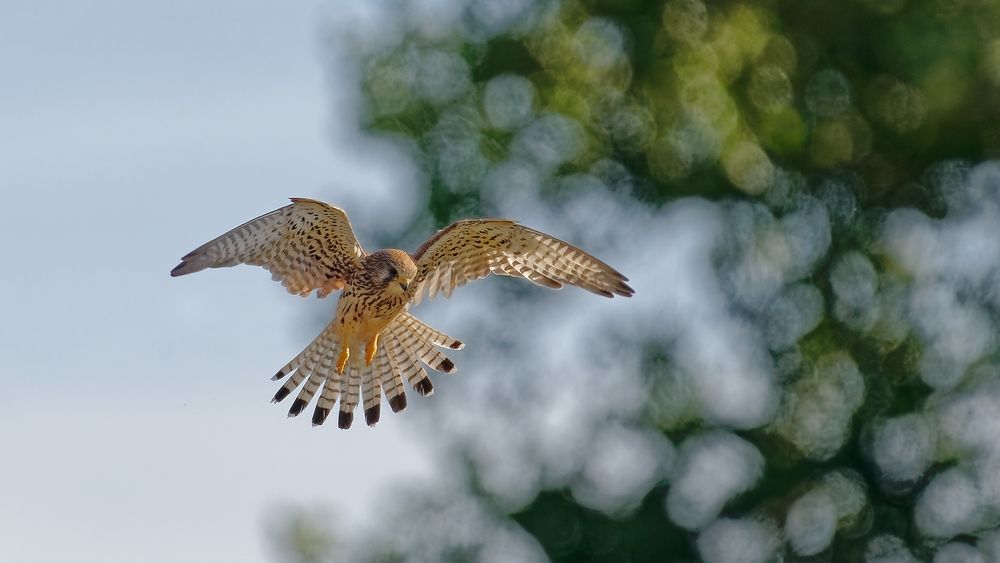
column 303, row 535
column 791, row 114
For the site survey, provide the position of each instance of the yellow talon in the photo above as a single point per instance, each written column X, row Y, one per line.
column 371, row 349
column 345, row 353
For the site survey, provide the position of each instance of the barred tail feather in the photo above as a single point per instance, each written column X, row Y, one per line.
column 372, row 390
column 392, row 382
column 290, row 385
column 314, row 366
column 429, row 334
column 409, row 364
column 422, row 349
column 314, row 377
column 328, row 398
column 350, row 390
column 331, row 387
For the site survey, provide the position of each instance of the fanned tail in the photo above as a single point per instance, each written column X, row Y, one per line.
column 405, row 346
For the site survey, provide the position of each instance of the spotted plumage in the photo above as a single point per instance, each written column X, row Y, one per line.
column 373, row 344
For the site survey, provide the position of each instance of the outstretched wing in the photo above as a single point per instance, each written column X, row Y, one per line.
column 306, row 245
column 472, row 249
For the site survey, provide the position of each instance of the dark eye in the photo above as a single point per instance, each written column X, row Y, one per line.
column 392, row 273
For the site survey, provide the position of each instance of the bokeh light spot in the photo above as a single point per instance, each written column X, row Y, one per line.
column 828, row 93
column 770, row 89
column 898, row 106
column 549, row 141
column 441, row 76
column 747, row 167
column 685, row 20
column 389, row 83
column 600, row 43
column 508, row 101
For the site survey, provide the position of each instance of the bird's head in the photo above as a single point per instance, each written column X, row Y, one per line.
column 393, row 270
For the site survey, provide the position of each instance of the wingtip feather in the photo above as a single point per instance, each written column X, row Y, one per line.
column 192, row 262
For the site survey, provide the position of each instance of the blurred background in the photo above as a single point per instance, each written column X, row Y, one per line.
column 802, row 194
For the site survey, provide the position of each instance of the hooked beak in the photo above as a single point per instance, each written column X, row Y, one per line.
column 405, row 284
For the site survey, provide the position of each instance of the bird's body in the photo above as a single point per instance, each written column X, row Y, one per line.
column 373, row 344
column 363, row 314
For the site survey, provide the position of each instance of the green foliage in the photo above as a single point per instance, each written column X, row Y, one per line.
column 709, row 99
column 570, row 532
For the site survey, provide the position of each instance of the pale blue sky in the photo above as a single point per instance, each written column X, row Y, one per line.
column 136, row 415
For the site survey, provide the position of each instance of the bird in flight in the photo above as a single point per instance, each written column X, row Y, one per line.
column 373, row 343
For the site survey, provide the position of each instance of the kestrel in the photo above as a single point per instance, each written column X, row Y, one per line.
column 373, row 343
